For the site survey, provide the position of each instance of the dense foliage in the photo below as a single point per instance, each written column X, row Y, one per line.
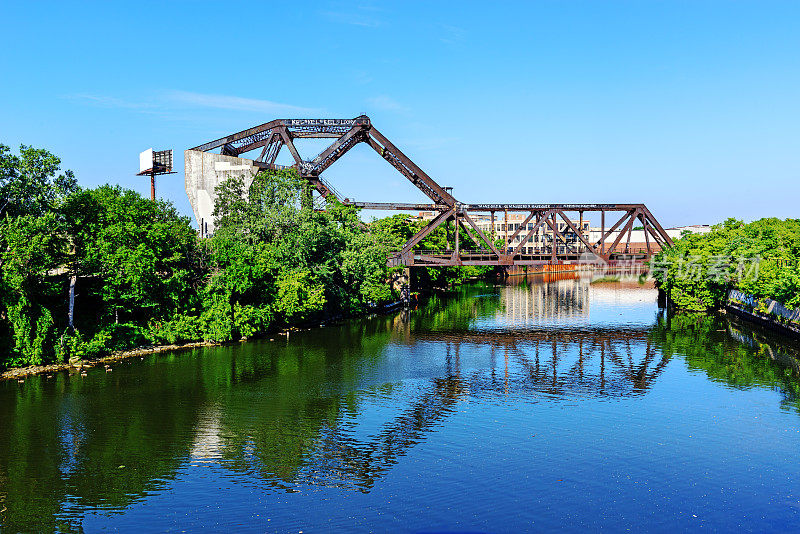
column 141, row 275
column 761, row 258
column 274, row 260
column 31, row 246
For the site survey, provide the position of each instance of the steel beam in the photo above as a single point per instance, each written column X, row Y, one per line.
column 287, row 140
column 661, row 231
column 627, row 227
column 564, row 207
column 603, row 236
column 480, row 233
column 412, row 171
column 532, row 231
column 337, row 145
column 589, row 247
column 211, row 145
column 521, row 226
column 419, row 236
column 397, row 206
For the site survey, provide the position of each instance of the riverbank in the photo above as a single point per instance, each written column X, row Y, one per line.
column 778, row 345
column 761, row 259
column 31, row 370
column 19, row 373
column 95, row 271
column 762, row 320
column 744, row 313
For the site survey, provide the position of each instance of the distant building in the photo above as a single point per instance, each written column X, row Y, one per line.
column 676, row 232
column 540, row 241
column 506, row 229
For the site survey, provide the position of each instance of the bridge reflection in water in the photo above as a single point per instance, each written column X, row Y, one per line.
column 462, row 361
column 340, row 407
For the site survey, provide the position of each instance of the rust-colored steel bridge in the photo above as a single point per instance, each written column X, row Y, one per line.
column 539, row 234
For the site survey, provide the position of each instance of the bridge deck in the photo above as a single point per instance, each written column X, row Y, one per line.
column 448, row 258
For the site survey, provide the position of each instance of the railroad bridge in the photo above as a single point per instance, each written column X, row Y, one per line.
column 541, row 233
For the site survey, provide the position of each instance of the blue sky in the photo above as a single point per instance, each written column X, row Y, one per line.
column 690, row 107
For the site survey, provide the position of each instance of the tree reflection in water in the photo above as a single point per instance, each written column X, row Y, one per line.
column 292, row 412
column 728, row 350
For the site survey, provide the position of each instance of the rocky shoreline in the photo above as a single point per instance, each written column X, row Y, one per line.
column 23, row 372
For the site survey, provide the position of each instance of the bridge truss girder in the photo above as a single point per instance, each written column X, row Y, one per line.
column 272, row 136
column 543, row 221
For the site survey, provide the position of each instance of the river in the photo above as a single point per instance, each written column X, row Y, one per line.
column 537, row 404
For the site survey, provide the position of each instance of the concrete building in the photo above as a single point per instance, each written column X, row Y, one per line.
column 204, row 172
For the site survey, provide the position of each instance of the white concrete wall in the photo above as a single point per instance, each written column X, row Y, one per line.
column 204, row 172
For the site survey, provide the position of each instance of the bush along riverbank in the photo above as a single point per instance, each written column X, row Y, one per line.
column 85, row 273
column 754, row 266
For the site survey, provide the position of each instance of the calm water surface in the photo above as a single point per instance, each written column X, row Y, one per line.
column 541, row 404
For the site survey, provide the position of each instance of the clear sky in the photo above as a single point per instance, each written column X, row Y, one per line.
column 690, row 107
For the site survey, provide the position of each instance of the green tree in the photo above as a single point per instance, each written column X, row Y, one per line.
column 33, row 252
column 761, row 258
column 277, row 260
column 142, row 254
column 30, row 183
column 32, row 247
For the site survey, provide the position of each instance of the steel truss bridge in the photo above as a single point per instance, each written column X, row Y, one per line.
column 561, row 241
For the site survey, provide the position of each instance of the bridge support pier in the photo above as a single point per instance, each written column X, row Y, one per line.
column 402, row 283
column 406, row 291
